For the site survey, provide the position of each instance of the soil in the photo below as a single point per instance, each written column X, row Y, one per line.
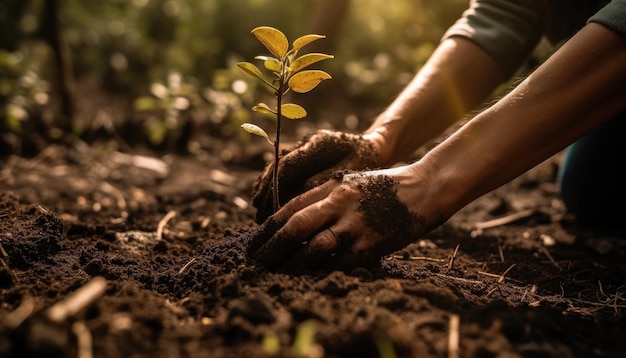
column 168, row 235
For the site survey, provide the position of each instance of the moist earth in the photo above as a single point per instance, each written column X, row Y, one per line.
column 169, row 235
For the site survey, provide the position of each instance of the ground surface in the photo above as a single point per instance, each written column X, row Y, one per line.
column 165, row 234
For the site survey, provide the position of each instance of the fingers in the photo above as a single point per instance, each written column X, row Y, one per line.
column 323, row 150
column 320, row 178
column 357, row 255
column 302, row 201
column 316, row 253
column 298, row 231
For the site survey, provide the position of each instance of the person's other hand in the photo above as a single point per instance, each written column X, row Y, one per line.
column 350, row 221
column 310, row 164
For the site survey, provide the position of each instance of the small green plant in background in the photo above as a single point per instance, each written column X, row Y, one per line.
column 303, row 345
column 289, row 74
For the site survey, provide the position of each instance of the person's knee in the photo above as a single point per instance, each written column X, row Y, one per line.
column 591, row 177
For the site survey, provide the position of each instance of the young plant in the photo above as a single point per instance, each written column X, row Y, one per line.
column 288, row 74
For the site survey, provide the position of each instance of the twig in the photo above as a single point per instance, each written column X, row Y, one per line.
column 599, row 304
column 453, row 336
column 492, row 291
column 80, row 299
column 4, row 264
column 547, row 253
column 419, row 258
column 3, row 252
column 186, row 265
column 494, row 275
column 501, row 279
column 501, row 252
column 6, row 267
column 480, row 226
column 475, row 282
column 456, row 250
column 162, row 224
column 20, row 314
column 533, row 289
column 84, row 340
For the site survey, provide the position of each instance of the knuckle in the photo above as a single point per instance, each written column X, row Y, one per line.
column 324, row 241
column 299, row 222
column 344, row 192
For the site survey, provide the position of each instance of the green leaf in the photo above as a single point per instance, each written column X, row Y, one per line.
column 305, row 81
column 254, row 129
column 292, row 111
column 273, row 39
column 305, row 40
column 307, row 60
column 263, row 108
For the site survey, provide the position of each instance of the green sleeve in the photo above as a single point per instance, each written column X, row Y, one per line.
column 507, row 29
column 613, row 16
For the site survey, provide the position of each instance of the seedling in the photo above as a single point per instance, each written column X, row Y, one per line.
column 288, row 74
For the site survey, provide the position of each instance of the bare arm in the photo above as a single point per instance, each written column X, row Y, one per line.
column 456, row 78
column 579, row 87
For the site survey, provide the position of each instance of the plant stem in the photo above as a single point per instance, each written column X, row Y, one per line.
column 279, row 100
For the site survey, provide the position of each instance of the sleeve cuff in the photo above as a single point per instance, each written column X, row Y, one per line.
column 507, row 30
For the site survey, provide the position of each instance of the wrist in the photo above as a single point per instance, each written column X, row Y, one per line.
column 381, row 139
column 444, row 189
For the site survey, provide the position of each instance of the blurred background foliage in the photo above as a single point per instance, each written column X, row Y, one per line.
column 155, row 71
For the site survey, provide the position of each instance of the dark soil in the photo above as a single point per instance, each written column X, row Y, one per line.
column 167, row 236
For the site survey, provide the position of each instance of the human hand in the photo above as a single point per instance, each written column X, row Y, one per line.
column 310, row 164
column 350, row 221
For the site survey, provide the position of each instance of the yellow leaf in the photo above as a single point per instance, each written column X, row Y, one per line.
column 305, row 81
column 250, row 69
column 271, row 63
column 254, row 129
column 254, row 71
column 305, row 40
column 146, row 103
column 292, row 111
column 263, row 108
column 271, row 343
column 273, row 39
column 305, row 337
column 307, row 60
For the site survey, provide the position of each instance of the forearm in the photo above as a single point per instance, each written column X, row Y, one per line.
column 578, row 88
column 457, row 77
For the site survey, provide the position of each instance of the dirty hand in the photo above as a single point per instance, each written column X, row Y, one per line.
column 310, row 164
column 350, row 221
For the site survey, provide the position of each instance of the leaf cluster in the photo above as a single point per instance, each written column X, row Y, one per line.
column 288, row 73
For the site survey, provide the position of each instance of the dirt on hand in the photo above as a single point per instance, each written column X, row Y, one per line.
column 311, row 163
